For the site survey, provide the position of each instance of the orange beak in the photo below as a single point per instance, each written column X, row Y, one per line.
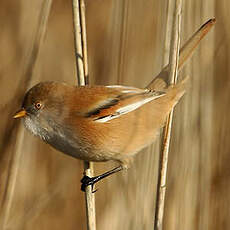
column 20, row 113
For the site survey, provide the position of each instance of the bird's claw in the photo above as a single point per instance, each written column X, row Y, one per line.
column 86, row 181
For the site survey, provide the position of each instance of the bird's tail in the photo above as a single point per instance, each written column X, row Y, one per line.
column 175, row 92
column 161, row 80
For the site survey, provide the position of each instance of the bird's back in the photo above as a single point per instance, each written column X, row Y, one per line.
column 120, row 138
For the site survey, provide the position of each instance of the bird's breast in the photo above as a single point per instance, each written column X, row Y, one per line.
column 64, row 140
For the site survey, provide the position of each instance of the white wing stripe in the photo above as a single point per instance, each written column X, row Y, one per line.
column 121, row 86
column 126, row 89
column 133, row 106
column 128, row 108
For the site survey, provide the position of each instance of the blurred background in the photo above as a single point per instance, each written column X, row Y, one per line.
column 40, row 188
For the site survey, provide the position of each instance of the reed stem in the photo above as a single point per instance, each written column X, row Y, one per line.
column 173, row 69
column 82, row 76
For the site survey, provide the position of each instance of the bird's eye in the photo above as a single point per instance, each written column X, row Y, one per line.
column 38, row 105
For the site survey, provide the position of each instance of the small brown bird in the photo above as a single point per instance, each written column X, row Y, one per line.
column 102, row 123
column 97, row 123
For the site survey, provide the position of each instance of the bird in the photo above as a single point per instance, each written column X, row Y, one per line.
column 97, row 123
column 101, row 123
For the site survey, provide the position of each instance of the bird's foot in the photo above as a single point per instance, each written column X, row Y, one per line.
column 86, row 181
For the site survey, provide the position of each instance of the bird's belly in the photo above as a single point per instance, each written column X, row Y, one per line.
column 75, row 148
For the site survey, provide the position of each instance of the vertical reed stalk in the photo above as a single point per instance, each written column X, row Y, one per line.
column 82, row 76
column 173, row 68
column 84, row 40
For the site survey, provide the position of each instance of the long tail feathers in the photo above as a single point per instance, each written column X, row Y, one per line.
column 161, row 80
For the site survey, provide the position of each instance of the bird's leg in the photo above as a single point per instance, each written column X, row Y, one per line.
column 86, row 181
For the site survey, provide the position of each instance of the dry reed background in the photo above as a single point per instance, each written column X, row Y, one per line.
column 125, row 45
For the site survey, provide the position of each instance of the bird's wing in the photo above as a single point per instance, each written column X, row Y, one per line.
column 114, row 101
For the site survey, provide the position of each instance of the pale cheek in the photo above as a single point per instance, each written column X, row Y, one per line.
column 34, row 127
column 30, row 126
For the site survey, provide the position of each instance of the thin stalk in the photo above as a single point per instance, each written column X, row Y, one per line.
column 173, row 69
column 78, row 43
column 82, row 76
column 84, row 40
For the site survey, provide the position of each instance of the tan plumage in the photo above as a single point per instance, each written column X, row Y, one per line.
column 120, row 138
column 98, row 123
column 101, row 123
